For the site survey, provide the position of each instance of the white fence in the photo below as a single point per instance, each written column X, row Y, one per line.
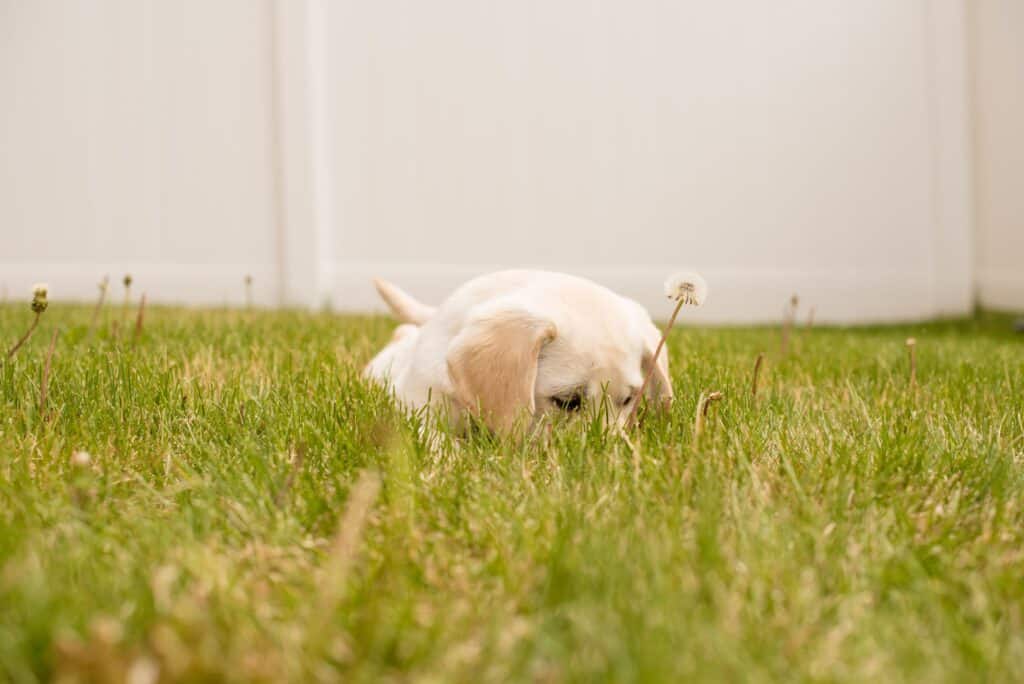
column 819, row 147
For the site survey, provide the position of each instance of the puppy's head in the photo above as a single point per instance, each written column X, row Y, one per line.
column 511, row 361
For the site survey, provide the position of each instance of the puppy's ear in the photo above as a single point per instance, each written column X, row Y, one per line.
column 493, row 364
column 660, row 387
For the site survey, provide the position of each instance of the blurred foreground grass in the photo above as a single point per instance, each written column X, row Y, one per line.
column 251, row 510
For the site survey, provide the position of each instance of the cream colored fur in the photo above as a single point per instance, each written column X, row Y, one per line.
column 510, row 346
column 492, row 364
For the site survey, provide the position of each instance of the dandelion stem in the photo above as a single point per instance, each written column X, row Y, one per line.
column 654, row 362
column 24, row 338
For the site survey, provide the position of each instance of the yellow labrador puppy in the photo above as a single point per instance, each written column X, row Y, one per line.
column 510, row 346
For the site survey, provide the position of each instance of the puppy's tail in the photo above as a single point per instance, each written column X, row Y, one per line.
column 405, row 308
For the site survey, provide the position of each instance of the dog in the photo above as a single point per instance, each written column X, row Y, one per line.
column 509, row 347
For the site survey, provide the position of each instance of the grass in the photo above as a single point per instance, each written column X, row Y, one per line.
column 252, row 510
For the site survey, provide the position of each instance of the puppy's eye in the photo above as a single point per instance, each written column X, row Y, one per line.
column 625, row 402
column 573, row 402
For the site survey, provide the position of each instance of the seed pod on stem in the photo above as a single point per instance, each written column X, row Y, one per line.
column 687, row 289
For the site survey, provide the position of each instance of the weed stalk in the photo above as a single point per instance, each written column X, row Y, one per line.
column 139, row 317
column 127, row 296
column 702, row 413
column 104, row 285
column 684, row 288
column 39, row 304
column 757, row 374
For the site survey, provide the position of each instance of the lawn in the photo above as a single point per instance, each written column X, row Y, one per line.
column 250, row 509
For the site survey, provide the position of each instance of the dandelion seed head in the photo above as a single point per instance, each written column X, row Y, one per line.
column 39, row 301
column 688, row 287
